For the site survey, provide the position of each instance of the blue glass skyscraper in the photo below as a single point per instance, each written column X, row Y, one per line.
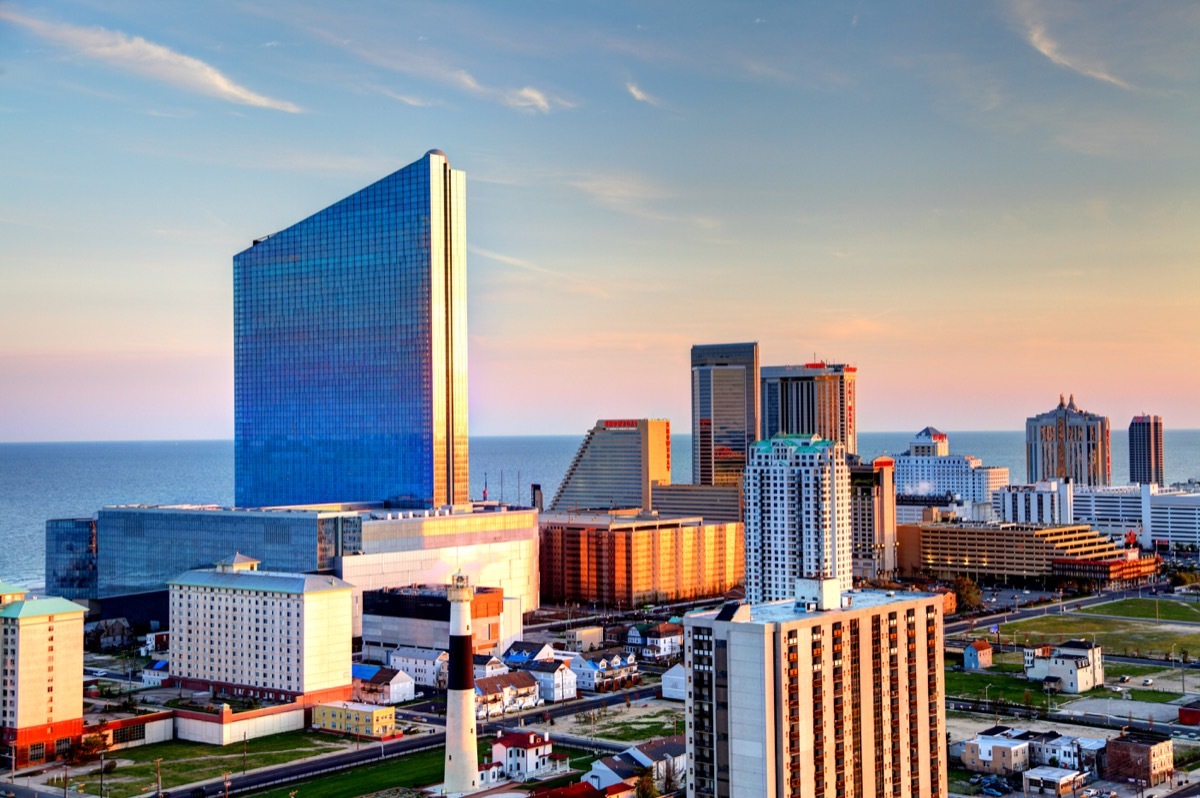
column 350, row 359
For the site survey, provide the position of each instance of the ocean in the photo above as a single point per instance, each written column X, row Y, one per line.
column 72, row 480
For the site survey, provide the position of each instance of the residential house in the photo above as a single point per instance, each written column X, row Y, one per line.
column 655, row 641
column 376, row 685
column 528, row 755
column 674, row 683
column 487, row 665
column 508, row 692
column 996, row 750
column 585, row 638
column 155, row 673
column 603, row 671
column 106, row 635
column 428, row 667
column 154, row 643
column 520, row 651
column 666, row 758
column 977, row 656
column 1075, row 666
column 556, row 681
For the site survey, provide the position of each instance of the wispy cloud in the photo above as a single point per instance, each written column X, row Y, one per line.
column 1039, row 38
column 526, row 265
column 640, row 95
column 408, row 99
column 636, row 196
column 142, row 57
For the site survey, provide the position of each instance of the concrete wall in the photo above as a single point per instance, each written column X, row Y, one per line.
column 226, row 728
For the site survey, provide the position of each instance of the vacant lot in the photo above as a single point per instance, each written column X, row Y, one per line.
column 1159, row 609
column 1117, row 636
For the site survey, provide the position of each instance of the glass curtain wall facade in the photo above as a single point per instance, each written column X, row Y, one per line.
column 1146, row 451
column 725, row 403
column 813, row 399
column 350, row 349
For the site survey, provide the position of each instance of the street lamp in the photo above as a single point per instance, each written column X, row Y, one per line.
column 985, row 695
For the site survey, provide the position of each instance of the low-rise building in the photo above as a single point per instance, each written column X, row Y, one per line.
column 429, row 667
column 1075, row 666
column 1046, row 780
column 528, row 755
column 355, row 719
column 604, row 671
column 556, row 681
column 1063, row 751
column 674, row 683
column 156, row 672
column 376, row 685
column 509, row 692
column 977, row 655
column 487, row 665
column 520, row 652
column 1148, row 757
column 665, row 758
column 655, row 641
column 996, row 750
column 585, row 638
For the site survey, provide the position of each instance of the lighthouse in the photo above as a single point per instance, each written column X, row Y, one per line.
column 462, row 753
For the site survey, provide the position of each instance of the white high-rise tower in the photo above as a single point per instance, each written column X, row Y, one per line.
column 797, row 516
column 462, row 754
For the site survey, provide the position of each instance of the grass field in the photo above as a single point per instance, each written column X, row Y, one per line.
column 417, row 770
column 184, row 762
column 1163, row 609
column 1002, row 688
column 1131, row 637
column 1118, row 669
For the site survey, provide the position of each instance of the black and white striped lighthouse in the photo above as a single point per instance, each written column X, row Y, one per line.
column 462, row 754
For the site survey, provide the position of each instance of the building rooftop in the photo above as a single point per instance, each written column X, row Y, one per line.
column 36, row 608
column 521, row 740
column 413, row 652
column 266, row 581
column 788, row 610
column 8, row 590
column 357, row 706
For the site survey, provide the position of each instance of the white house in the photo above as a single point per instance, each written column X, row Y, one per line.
column 667, row 757
column 157, row 672
column 508, row 692
column 429, row 667
column 655, row 641
column 487, row 665
column 1075, row 666
column 528, row 755
column 520, row 652
column 376, row 685
column 602, row 671
column 674, row 684
column 556, row 681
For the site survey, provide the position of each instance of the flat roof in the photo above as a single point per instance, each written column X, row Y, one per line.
column 789, row 610
column 266, row 581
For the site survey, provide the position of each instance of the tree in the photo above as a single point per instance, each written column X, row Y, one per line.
column 670, row 777
column 968, row 594
column 645, row 787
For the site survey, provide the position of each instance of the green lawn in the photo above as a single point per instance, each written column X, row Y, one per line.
column 1155, row 696
column 1164, row 609
column 1118, row 669
column 1128, row 637
column 960, row 782
column 417, row 770
column 1003, row 688
column 185, row 762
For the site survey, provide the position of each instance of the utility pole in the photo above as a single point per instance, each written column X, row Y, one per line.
column 158, row 776
column 225, row 777
column 66, row 778
column 243, row 753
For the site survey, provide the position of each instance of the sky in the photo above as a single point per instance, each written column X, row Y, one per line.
column 980, row 205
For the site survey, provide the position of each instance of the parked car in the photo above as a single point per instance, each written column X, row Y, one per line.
column 1147, row 682
column 1124, row 679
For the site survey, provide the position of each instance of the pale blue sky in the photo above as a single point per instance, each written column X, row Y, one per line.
column 981, row 205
